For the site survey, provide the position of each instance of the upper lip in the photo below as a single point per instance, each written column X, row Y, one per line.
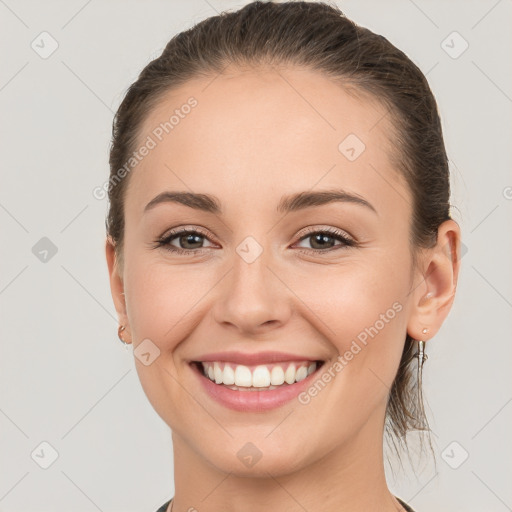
column 253, row 359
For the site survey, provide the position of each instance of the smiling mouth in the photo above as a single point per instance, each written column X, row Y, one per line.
column 263, row 377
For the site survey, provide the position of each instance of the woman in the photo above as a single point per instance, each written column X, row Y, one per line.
column 280, row 248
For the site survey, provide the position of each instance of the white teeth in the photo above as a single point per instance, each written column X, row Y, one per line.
column 277, row 376
column 260, row 377
column 228, row 376
column 236, row 388
column 217, row 372
column 243, row 376
column 301, row 374
column 289, row 374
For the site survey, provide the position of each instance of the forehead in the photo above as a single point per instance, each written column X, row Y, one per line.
column 254, row 134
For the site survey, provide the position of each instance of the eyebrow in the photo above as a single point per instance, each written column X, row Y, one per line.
column 291, row 203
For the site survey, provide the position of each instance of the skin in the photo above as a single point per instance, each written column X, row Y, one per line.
column 250, row 140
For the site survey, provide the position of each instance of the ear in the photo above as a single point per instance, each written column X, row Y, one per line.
column 117, row 287
column 434, row 293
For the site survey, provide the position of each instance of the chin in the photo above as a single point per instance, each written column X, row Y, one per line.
column 245, row 458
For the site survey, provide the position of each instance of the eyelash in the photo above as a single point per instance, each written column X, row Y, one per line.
column 334, row 233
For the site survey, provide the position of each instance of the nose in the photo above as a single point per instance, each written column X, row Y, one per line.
column 252, row 298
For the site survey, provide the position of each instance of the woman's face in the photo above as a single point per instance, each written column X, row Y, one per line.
column 259, row 275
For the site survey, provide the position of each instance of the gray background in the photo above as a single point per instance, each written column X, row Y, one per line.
column 66, row 379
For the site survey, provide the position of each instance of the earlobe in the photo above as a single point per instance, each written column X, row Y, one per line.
column 434, row 295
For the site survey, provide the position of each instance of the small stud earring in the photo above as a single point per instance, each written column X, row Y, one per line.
column 425, row 330
column 119, row 331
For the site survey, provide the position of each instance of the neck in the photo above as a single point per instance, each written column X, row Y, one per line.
column 349, row 478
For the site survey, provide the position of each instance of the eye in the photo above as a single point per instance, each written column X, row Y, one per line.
column 188, row 240
column 322, row 240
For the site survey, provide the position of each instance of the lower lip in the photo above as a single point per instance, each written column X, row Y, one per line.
column 253, row 401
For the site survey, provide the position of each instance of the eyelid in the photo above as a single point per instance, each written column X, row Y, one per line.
column 184, row 228
column 325, row 229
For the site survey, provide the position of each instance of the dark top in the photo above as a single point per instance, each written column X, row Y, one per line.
column 163, row 508
column 407, row 507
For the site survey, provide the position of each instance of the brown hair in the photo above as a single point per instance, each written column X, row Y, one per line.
column 316, row 36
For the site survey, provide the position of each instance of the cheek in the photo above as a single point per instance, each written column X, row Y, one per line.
column 352, row 298
column 360, row 309
column 164, row 305
column 163, row 300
